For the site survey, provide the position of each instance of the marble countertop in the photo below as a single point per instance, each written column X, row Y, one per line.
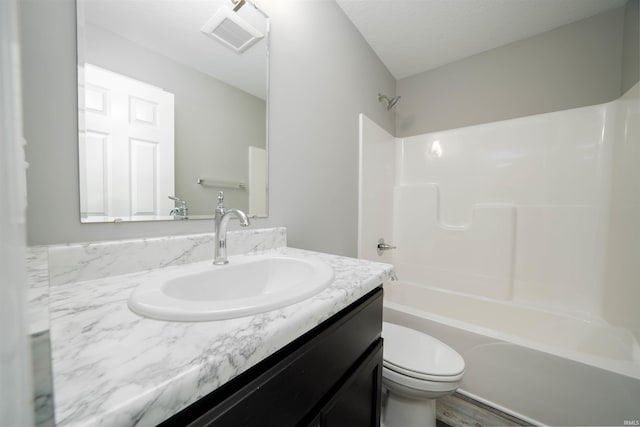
column 114, row 368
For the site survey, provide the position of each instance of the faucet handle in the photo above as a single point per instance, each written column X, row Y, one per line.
column 220, row 198
column 179, row 200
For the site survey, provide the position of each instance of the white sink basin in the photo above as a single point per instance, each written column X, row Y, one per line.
column 247, row 285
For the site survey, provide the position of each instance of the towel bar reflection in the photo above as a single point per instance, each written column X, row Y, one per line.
column 221, row 184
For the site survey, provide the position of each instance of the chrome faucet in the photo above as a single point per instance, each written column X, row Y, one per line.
column 221, row 221
column 181, row 211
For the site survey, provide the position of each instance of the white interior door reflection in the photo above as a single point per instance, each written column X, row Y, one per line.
column 126, row 148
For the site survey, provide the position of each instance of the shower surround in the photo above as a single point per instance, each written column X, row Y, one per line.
column 515, row 245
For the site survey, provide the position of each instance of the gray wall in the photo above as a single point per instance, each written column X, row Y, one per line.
column 631, row 46
column 214, row 123
column 575, row 65
column 322, row 75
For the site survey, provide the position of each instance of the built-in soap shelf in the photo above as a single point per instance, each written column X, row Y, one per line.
column 505, row 251
column 477, row 257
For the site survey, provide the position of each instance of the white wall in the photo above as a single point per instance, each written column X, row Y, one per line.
column 622, row 294
column 323, row 75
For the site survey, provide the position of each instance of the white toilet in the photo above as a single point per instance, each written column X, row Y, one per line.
column 417, row 369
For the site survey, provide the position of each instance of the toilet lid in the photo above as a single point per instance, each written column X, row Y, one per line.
column 416, row 354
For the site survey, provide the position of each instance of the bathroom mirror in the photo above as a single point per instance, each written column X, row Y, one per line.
column 172, row 102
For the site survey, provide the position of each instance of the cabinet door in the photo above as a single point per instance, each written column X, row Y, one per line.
column 357, row 402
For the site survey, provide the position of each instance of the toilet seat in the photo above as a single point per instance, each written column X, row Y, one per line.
column 421, row 375
column 419, row 356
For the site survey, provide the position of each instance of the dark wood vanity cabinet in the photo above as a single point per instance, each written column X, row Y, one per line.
column 329, row 377
column 357, row 402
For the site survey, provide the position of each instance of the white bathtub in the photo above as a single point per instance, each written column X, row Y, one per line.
column 544, row 367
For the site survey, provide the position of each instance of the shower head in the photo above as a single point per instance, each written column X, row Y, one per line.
column 390, row 102
column 237, row 4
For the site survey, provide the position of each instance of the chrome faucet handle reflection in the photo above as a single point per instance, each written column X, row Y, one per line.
column 178, row 199
column 181, row 212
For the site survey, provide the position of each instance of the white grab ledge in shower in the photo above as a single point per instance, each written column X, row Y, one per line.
column 476, row 258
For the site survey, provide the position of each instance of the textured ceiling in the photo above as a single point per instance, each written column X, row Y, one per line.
column 413, row 36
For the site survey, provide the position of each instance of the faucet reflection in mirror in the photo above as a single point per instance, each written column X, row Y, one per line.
column 181, row 211
column 220, row 109
column 222, row 218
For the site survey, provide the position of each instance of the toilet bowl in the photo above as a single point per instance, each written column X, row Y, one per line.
column 417, row 369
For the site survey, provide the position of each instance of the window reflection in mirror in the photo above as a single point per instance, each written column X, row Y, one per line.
column 166, row 110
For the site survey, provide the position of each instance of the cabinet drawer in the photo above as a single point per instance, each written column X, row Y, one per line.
column 289, row 385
